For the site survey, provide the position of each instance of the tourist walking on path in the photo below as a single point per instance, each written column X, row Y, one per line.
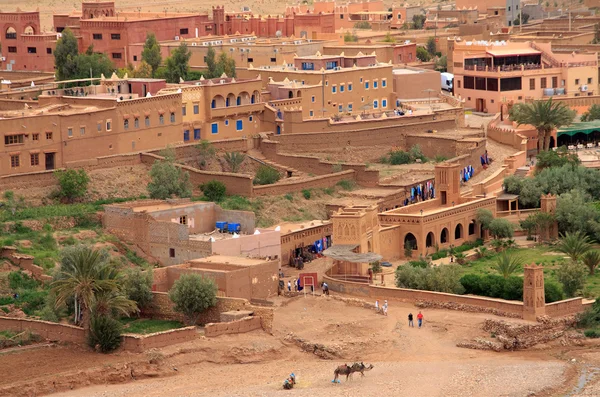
column 289, row 286
column 376, row 305
column 410, row 320
column 420, row 319
column 385, row 307
column 326, row 288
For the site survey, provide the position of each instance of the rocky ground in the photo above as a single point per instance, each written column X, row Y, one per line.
column 410, row 361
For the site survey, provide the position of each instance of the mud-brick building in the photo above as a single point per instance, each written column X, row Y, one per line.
column 235, row 277
column 72, row 127
column 297, row 236
column 175, row 231
column 447, row 220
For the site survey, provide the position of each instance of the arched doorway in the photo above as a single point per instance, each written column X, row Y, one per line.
column 458, row 232
column 410, row 241
column 429, row 241
column 552, row 142
column 472, row 227
column 369, row 247
column 290, row 94
column 10, row 33
column 278, row 130
column 444, row 236
column 29, row 30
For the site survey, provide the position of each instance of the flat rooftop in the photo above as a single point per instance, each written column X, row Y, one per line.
column 291, row 227
column 228, row 260
column 407, row 71
column 160, row 207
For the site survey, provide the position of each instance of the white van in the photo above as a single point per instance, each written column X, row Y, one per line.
column 447, row 81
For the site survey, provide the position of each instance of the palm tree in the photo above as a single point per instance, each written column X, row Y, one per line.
column 591, row 259
column 88, row 278
column 545, row 116
column 574, row 245
column 507, row 264
column 234, row 160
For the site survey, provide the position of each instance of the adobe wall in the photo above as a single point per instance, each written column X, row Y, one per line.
column 265, row 244
column 140, row 343
column 246, row 219
column 565, row 307
column 24, row 262
column 390, row 243
column 317, row 182
column 162, row 308
column 244, row 325
column 189, row 152
column 47, row 330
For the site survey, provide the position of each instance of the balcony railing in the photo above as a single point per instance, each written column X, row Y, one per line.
column 506, row 68
column 232, row 110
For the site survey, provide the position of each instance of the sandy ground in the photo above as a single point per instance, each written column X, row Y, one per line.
column 411, row 361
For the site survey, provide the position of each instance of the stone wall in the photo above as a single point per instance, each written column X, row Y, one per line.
column 565, row 308
column 47, row 330
column 162, row 308
column 140, row 343
column 317, row 182
column 244, row 325
column 24, row 262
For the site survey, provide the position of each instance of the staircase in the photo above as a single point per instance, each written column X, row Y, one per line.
column 260, row 158
column 522, row 171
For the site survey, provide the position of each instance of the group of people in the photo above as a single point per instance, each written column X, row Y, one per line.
column 383, row 309
column 419, row 319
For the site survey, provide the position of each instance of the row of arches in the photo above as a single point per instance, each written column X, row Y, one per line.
column 244, row 98
column 11, row 31
column 444, row 237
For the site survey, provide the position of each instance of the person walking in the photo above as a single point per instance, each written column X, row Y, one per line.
column 385, row 307
column 377, row 306
column 326, row 286
column 295, row 285
column 289, row 286
column 410, row 320
column 420, row 319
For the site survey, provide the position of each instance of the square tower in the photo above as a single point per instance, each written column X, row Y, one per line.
column 447, row 180
column 534, row 300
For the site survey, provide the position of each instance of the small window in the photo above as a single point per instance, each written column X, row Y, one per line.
column 340, row 108
column 97, row 36
column 326, row 83
column 361, row 79
column 171, row 252
column 108, row 125
column 273, row 59
column 172, row 117
column 70, row 132
column 99, row 127
column 48, row 135
column 183, row 220
column 384, row 83
column 126, row 124
column 81, row 130
column 349, row 107
column 183, row 31
column 31, row 50
column 186, row 135
column 15, row 161
column 458, row 83
column 349, row 87
column 226, row 123
column 508, row 8
column 13, row 139
column 115, row 36
column 35, row 137
column 589, row 80
column 532, row 84
column 116, row 55
column 197, row 108
column 312, row 99
column 250, row 59
column 196, row 134
column 35, row 159
column 161, row 119
column 12, row 49
column 214, row 128
column 554, row 82
column 135, row 58
column 48, row 51
column 147, row 121
column 375, row 83
column 136, row 122
column 384, row 103
column 366, row 85
column 183, row 111
column 239, row 125
column 375, row 104
column 576, row 81
column 342, row 88
column 310, row 113
column 250, row 118
column 543, row 82
column 333, row 89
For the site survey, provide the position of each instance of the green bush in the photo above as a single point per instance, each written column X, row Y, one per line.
column 289, row 197
column 440, row 254
column 421, row 262
column 572, row 276
column 266, row 175
column 73, row 183
column 306, row 194
column 137, row 287
column 552, row 292
column 192, row 294
column 6, row 300
column 347, row 184
column 440, row 278
column 362, row 25
column 21, row 281
column 168, row 180
column 105, row 333
column 592, row 333
column 214, row 190
column 493, row 286
column 31, row 301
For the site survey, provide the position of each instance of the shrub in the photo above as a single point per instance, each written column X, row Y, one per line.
column 441, row 278
column 31, row 301
column 214, row 190
column 552, row 292
column 592, row 333
column 137, row 287
column 350, row 37
column 362, row 25
column 20, row 281
column 501, row 228
column 72, row 183
column 192, row 294
column 493, row 286
column 105, row 333
column 234, row 160
column 347, row 184
column 266, row 175
column 167, row 180
column 376, row 267
column 421, row 262
column 484, row 217
column 306, row 194
column 289, row 197
column 336, row 167
column 399, row 157
column 440, row 254
column 572, row 276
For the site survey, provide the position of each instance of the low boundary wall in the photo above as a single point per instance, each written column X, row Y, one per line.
column 244, row 325
column 25, row 262
column 140, row 343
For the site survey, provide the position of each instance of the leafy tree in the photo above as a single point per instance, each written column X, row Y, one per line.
column 517, row 20
column 98, row 64
column 168, row 180
column 441, row 65
column 105, row 334
column 552, row 292
column 192, row 294
column 572, row 276
column 575, row 213
column 440, row 278
column 206, row 151
column 389, row 38
column 592, row 114
column 227, row 65
column 418, row 21
column 137, row 287
column 151, row 53
column 65, row 53
column 507, row 264
column 423, row 55
column 73, row 184
column 545, row 116
column 350, row 37
column 556, row 158
column 501, row 228
column 142, row 71
column 234, row 160
column 528, row 224
column 591, row 259
column 574, row 245
column 177, row 65
column 214, row 190
column 266, row 175
column 362, row 25
column 376, row 267
column 484, row 217
column 211, row 62
column 431, row 46
column 408, row 249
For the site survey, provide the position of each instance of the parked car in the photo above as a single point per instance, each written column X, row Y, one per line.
column 386, row 264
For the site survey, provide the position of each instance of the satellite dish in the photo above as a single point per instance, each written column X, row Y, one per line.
column 278, row 34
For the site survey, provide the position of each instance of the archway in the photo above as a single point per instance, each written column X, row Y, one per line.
column 255, row 97
column 278, row 130
column 458, row 232
column 552, row 142
column 430, row 240
column 10, row 33
column 444, row 236
column 472, row 227
column 298, row 94
column 369, row 247
column 290, row 94
column 217, row 102
column 245, row 98
column 410, row 241
column 230, row 100
column 29, row 30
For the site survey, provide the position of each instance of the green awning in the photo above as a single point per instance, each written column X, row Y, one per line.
column 584, row 128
